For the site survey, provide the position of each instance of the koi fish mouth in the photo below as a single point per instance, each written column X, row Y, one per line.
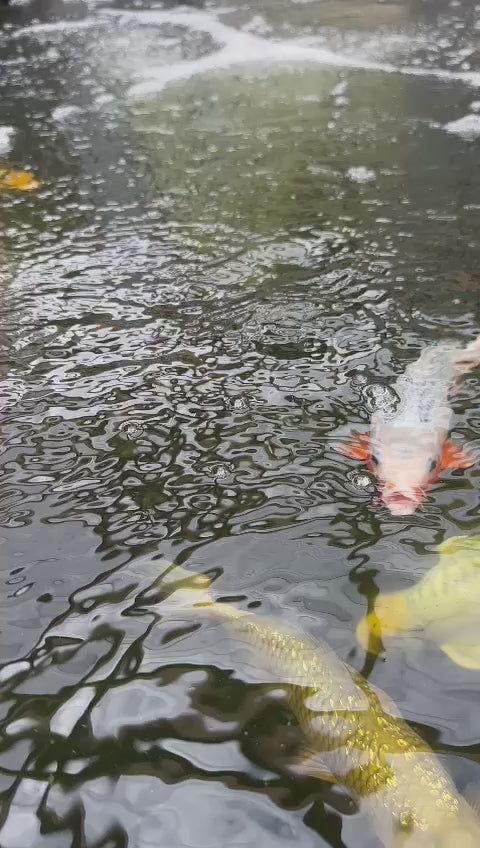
column 399, row 504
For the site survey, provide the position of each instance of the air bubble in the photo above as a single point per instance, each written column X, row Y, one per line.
column 379, row 397
column 358, row 380
column 219, row 470
column 360, row 481
column 131, row 429
column 238, row 404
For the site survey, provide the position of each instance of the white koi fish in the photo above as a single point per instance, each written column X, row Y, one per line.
column 407, row 448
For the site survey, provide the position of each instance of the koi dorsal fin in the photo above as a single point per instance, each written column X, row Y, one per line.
column 357, row 446
column 454, row 456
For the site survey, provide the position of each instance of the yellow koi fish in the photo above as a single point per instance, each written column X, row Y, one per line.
column 407, row 448
column 17, row 180
column 353, row 733
column 444, row 605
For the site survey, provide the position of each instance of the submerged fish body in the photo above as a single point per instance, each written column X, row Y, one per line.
column 407, row 448
column 444, row 605
column 355, row 737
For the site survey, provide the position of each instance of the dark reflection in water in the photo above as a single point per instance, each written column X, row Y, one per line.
column 219, row 277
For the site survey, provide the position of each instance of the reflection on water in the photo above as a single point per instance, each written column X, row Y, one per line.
column 197, row 305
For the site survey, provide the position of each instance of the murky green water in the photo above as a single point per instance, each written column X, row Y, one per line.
column 229, row 252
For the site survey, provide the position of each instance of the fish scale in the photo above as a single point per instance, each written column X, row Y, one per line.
column 423, row 389
column 354, row 735
column 374, row 754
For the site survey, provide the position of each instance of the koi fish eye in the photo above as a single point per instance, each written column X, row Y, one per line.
column 432, row 465
column 375, row 459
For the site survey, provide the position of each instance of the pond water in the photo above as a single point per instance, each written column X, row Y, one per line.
column 252, row 217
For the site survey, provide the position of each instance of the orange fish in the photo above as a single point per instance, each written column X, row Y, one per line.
column 407, row 448
column 17, row 180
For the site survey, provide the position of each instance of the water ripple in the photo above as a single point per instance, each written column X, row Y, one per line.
column 206, row 295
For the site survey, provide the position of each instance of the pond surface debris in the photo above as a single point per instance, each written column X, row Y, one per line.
column 17, row 180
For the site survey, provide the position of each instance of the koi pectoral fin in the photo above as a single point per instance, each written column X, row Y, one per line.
column 454, row 456
column 310, row 763
column 357, row 446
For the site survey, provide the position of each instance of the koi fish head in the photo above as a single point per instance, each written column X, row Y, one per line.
column 405, row 461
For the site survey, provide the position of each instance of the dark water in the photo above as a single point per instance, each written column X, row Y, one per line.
column 200, row 300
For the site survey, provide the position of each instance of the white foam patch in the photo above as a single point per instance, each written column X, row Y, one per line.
column 62, row 114
column 237, row 47
column 360, row 174
column 104, row 99
column 6, row 138
column 339, row 89
column 242, row 48
column 467, row 127
column 56, row 27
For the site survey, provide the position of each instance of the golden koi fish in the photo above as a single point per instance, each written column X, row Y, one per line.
column 444, row 605
column 354, row 735
column 407, row 448
column 17, row 180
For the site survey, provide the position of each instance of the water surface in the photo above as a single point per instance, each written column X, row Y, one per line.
column 251, row 219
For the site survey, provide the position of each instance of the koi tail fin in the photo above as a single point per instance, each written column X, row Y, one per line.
column 390, row 617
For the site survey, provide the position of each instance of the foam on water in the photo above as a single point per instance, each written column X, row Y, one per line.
column 55, row 27
column 236, row 47
column 63, row 113
column 467, row 127
column 6, row 136
column 239, row 47
column 361, row 174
